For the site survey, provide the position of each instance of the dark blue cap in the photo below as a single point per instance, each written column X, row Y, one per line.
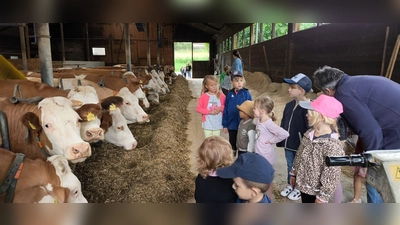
column 236, row 73
column 249, row 166
column 300, row 79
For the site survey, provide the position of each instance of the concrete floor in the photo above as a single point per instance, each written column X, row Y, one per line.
column 196, row 136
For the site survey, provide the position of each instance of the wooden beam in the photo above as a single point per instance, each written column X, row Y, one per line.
column 384, row 51
column 211, row 26
column 273, row 31
column 289, row 48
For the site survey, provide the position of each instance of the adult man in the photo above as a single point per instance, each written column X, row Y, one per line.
column 371, row 108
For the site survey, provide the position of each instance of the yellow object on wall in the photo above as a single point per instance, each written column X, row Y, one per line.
column 8, row 71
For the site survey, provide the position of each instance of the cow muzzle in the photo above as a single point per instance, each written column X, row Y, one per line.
column 94, row 135
column 79, row 151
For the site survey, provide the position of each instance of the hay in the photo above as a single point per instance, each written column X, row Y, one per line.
column 157, row 171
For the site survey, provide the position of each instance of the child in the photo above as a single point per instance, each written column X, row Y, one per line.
column 267, row 132
column 252, row 176
column 225, row 80
column 246, row 132
column 236, row 96
column 359, row 174
column 294, row 120
column 215, row 152
column 211, row 105
column 309, row 174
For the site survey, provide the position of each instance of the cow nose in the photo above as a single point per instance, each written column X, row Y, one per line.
column 80, row 150
column 95, row 134
column 134, row 145
column 145, row 118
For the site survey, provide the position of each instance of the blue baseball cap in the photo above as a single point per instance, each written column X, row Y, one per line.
column 300, row 79
column 249, row 166
column 236, row 73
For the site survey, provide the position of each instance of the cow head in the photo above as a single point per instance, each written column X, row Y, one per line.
column 90, row 123
column 60, row 123
column 85, row 94
column 115, row 124
column 67, row 180
column 139, row 93
column 130, row 107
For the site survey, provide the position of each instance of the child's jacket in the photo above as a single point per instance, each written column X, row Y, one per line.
column 202, row 105
column 230, row 118
column 313, row 177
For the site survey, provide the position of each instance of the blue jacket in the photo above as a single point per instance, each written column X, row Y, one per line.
column 295, row 122
column 237, row 65
column 371, row 105
column 230, row 118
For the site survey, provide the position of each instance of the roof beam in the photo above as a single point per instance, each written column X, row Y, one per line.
column 210, row 26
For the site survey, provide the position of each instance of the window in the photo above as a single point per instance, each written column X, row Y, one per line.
column 304, row 26
column 201, row 51
column 99, row 51
column 246, row 36
column 281, row 29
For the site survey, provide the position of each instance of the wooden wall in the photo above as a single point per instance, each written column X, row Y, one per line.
column 356, row 49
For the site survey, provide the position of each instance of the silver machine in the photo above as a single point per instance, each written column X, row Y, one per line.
column 383, row 170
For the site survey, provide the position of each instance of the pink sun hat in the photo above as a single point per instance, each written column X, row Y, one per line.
column 324, row 104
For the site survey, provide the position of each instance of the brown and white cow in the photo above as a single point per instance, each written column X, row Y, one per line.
column 90, row 131
column 42, row 181
column 115, row 125
column 51, row 126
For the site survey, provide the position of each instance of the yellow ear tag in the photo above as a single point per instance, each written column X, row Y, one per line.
column 140, row 82
column 90, row 116
column 31, row 125
column 55, row 200
column 113, row 107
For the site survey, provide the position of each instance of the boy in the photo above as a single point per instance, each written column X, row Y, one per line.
column 236, row 96
column 294, row 120
column 252, row 174
column 246, row 131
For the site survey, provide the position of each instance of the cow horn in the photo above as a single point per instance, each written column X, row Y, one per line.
column 76, row 102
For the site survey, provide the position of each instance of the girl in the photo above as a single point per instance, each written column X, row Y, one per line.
column 309, row 174
column 211, row 105
column 236, row 96
column 267, row 132
column 237, row 64
column 215, row 152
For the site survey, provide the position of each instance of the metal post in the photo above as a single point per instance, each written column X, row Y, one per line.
column 148, row 44
column 62, row 42
column 23, row 48
column 87, row 43
column 158, row 41
column 27, row 44
column 128, row 48
column 112, row 50
column 46, row 67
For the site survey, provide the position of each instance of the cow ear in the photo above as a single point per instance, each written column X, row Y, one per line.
column 88, row 112
column 60, row 163
column 60, row 194
column 106, row 121
column 31, row 121
column 76, row 103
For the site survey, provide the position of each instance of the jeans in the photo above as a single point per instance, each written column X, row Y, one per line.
column 373, row 195
column 189, row 74
column 289, row 155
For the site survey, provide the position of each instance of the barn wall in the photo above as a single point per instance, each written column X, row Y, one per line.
column 354, row 48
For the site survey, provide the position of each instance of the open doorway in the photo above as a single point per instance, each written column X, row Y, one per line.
column 196, row 54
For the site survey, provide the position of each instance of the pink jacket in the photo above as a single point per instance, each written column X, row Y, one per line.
column 203, row 102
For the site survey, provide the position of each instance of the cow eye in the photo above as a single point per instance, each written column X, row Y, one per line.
column 128, row 103
column 47, row 125
column 74, row 193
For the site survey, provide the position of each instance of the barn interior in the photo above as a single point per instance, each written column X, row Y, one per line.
column 160, row 169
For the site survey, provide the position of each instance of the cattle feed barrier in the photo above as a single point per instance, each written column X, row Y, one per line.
column 4, row 131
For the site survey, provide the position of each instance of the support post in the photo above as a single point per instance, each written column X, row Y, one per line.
column 46, row 67
column 273, row 31
column 23, row 47
column 128, row 48
column 289, row 47
column 148, row 44
column 62, row 42
column 87, row 43
column 27, row 44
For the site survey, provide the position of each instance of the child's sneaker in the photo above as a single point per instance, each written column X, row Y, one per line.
column 355, row 201
column 294, row 195
column 286, row 190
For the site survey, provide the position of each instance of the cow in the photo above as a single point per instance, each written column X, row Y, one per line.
column 115, row 125
column 131, row 109
column 41, row 181
column 159, row 81
column 90, row 131
column 49, row 128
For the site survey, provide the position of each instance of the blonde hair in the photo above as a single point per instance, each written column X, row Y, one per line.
column 226, row 68
column 267, row 104
column 215, row 152
column 205, row 80
column 316, row 117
